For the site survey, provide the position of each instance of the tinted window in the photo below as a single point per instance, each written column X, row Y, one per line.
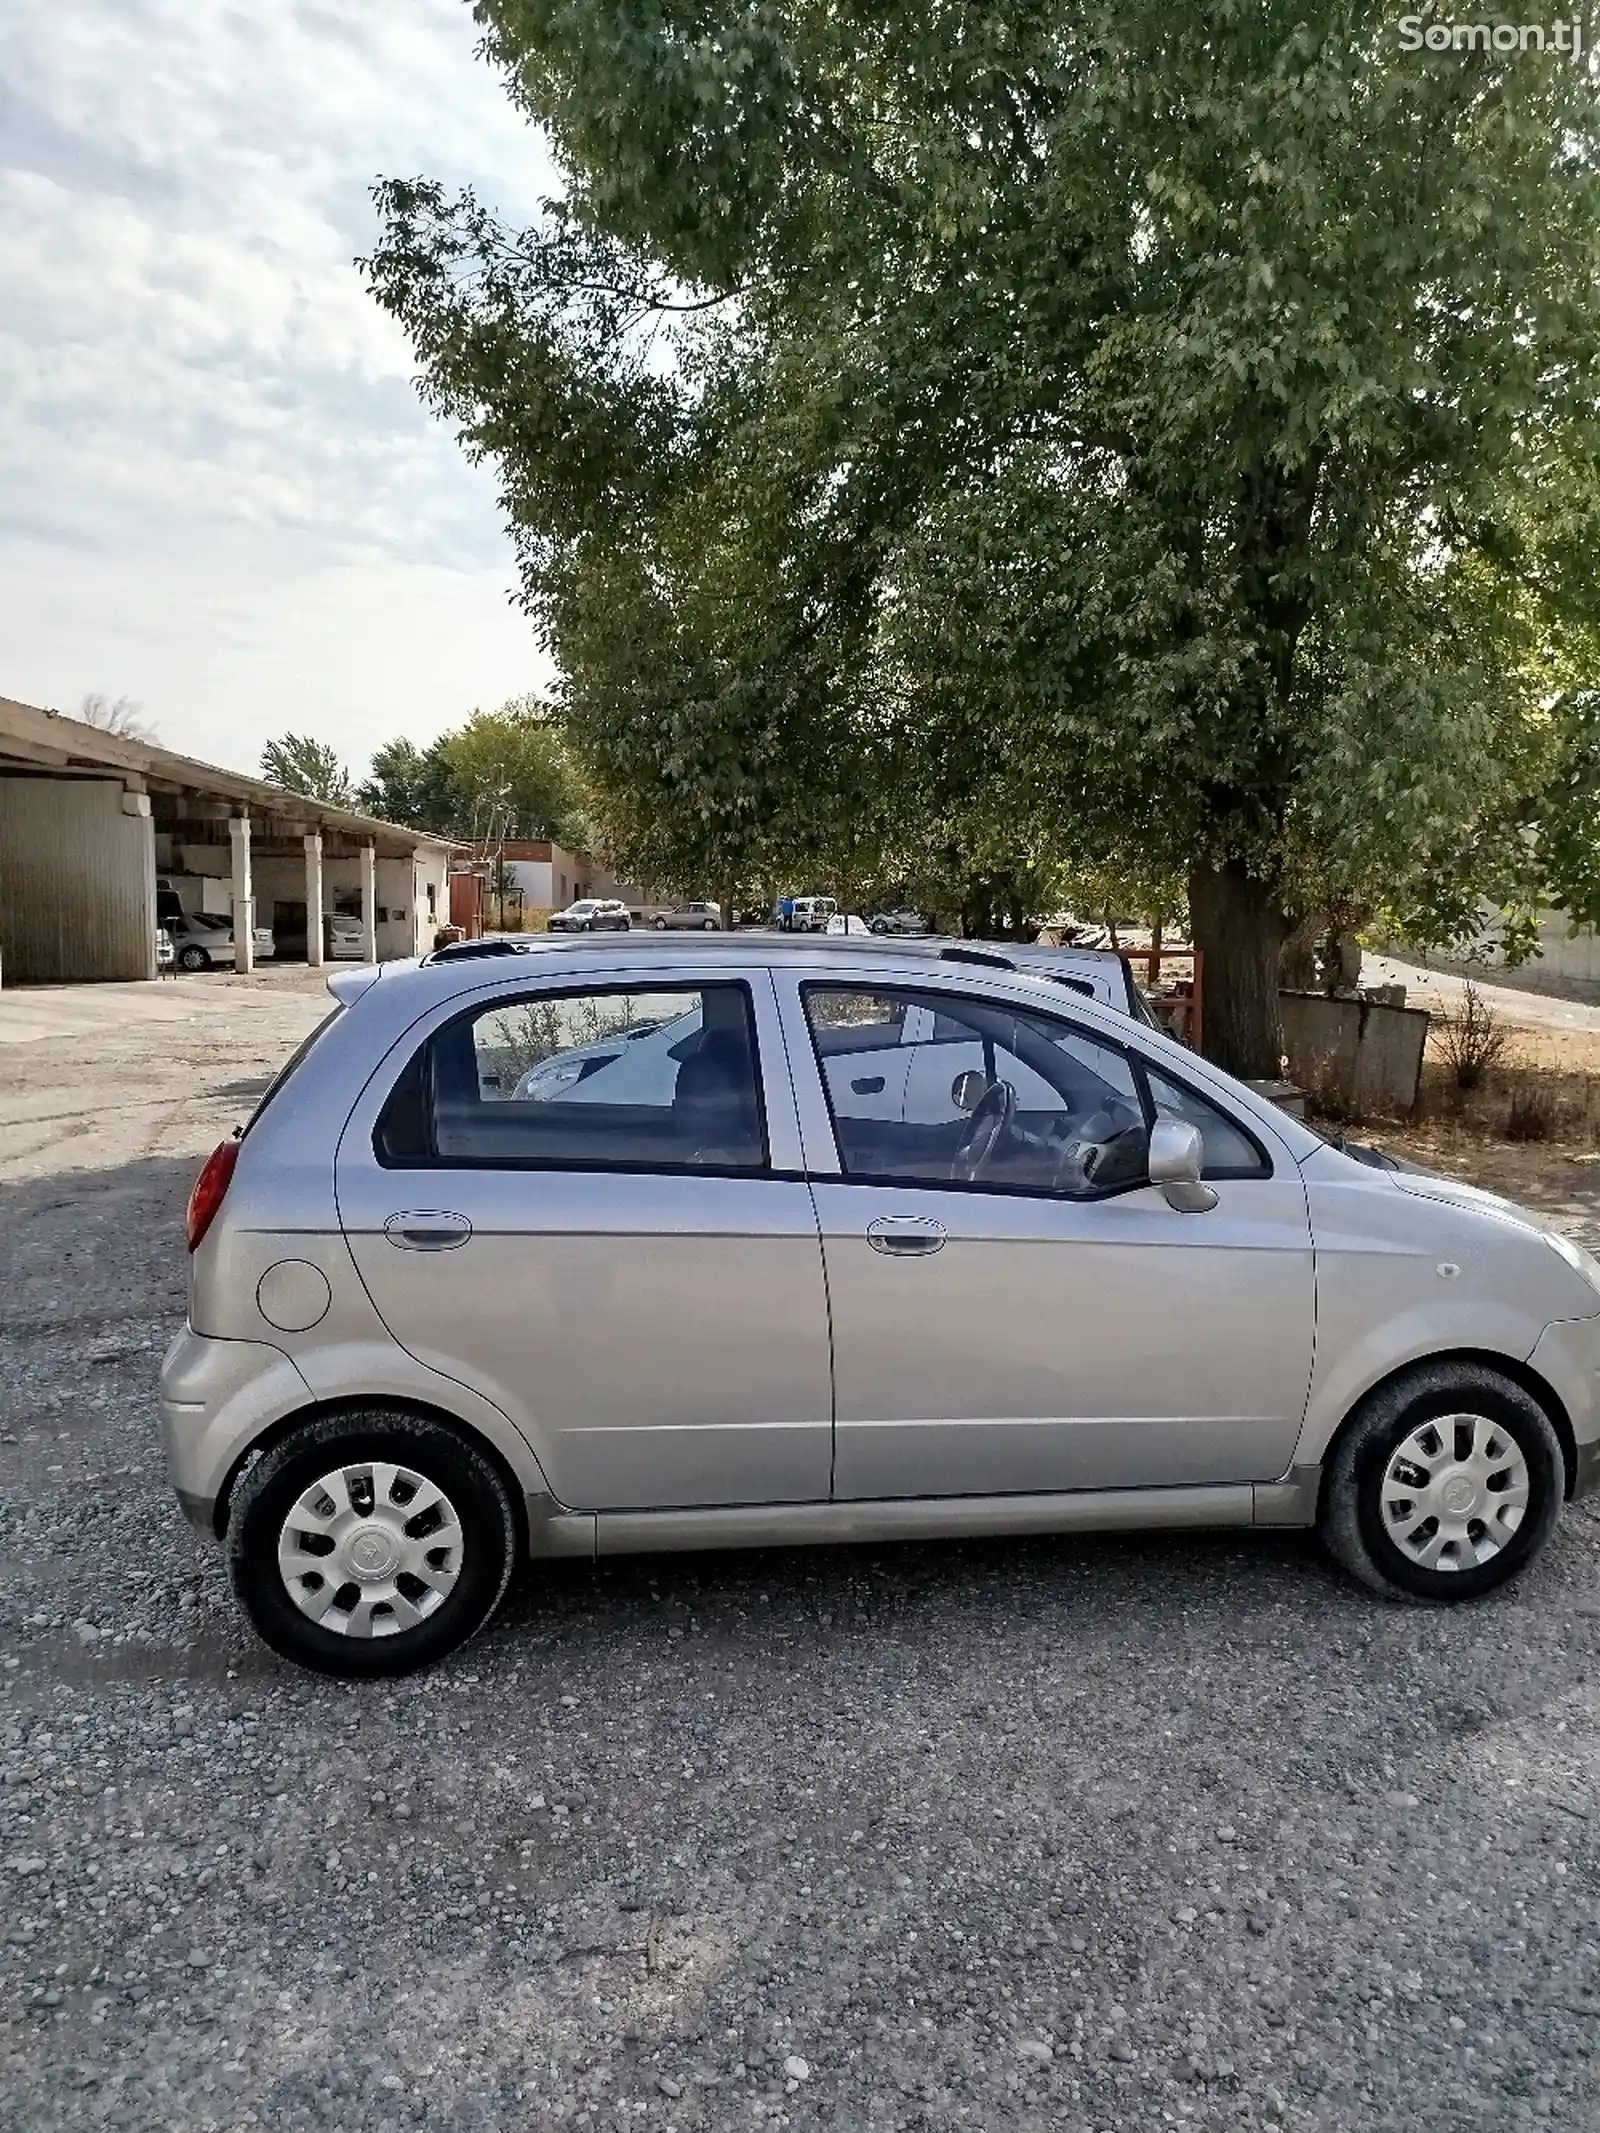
column 601, row 1080
column 935, row 1088
column 1229, row 1150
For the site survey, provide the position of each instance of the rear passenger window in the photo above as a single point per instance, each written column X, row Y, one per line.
column 591, row 1080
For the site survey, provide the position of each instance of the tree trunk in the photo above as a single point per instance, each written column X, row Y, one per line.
column 1241, row 932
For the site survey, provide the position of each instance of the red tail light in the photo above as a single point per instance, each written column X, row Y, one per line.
column 209, row 1188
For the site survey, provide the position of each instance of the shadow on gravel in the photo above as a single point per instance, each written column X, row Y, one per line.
column 84, row 1248
column 840, row 1589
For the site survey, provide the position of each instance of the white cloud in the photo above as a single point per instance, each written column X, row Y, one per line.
column 218, row 492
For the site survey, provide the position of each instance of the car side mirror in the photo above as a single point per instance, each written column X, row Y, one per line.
column 1177, row 1154
column 968, row 1089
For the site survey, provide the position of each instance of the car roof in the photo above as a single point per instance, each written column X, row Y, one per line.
column 468, row 965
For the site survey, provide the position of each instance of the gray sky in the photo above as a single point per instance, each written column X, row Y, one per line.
column 218, row 491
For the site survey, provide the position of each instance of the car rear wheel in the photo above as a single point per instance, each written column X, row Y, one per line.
column 193, row 957
column 370, row 1543
column 661, row 925
column 1444, row 1484
column 709, row 925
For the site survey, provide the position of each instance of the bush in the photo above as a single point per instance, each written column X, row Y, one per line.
column 1533, row 1114
column 1470, row 1038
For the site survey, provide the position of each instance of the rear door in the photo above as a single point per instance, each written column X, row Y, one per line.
column 624, row 1257
column 1052, row 1323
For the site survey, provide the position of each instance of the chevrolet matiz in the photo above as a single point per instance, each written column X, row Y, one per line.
column 573, row 1247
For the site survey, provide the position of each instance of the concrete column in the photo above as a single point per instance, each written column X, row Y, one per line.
column 369, row 904
column 244, row 902
column 314, row 900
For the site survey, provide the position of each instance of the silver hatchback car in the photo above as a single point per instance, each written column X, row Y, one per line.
column 600, row 1245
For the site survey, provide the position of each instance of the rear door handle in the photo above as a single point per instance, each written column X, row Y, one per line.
column 868, row 1085
column 906, row 1236
column 428, row 1229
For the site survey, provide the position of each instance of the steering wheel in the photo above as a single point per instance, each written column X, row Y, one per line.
column 1087, row 1145
column 990, row 1122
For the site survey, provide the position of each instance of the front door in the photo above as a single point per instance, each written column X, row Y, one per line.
column 1013, row 1308
column 571, row 1201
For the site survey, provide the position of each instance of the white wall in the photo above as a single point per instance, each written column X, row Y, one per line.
column 535, row 879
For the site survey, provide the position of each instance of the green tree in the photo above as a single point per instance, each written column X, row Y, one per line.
column 300, row 764
column 1144, row 418
column 511, row 775
column 411, row 785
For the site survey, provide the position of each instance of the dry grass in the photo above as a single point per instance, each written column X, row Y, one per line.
column 1533, row 1119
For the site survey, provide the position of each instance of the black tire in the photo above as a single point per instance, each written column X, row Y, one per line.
column 709, row 925
column 878, row 926
column 1351, row 1521
column 193, row 957
column 270, row 1489
column 660, row 925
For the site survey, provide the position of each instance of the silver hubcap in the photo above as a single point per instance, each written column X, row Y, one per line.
column 1455, row 1492
column 370, row 1550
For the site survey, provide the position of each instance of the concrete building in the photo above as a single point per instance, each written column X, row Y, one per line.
column 89, row 821
column 548, row 877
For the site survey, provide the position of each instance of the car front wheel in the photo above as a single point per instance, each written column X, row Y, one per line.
column 709, row 925
column 370, row 1543
column 1444, row 1484
column 193, row 958
column 660, row 925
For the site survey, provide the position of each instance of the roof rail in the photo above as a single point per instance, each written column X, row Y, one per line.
column 986, row 956
column 468, row 951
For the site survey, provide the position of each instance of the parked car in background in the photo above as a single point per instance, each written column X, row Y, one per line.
column 203, row 940
column 459, row 1293
column 902, row 920
column 696, row 916
column 343, row 938
column 806, row 914
column 850, row 922
column 591, row 914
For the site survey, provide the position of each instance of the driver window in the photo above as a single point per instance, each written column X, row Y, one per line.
column 944, row 1089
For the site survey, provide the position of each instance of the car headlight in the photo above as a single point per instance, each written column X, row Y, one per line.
column 1581, row 1262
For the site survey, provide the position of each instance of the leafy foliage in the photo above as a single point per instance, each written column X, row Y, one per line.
column 300, row 764
column 1087, row 435
column 502, row 774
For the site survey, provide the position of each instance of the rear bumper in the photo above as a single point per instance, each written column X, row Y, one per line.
column 217, row 1397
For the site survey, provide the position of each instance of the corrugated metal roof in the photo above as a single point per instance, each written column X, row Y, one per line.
column 40, row 740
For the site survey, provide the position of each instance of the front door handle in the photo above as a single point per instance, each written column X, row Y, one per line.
column 905, row 1236
column 428, row 1229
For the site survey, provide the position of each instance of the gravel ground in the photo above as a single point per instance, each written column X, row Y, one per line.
column 1056, row 1835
